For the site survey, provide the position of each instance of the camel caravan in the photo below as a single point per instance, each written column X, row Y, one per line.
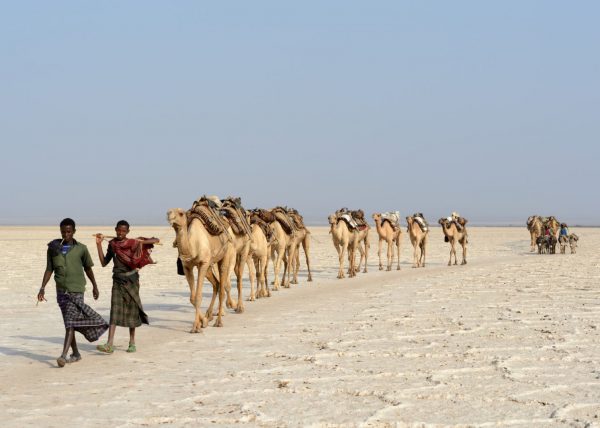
column 219, row 238
column 547, row 232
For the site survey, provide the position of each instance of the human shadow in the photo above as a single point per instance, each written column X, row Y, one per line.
column 13, row 352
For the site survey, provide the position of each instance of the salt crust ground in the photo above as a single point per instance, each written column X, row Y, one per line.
column 511, row 339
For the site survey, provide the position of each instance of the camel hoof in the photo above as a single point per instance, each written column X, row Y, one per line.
column 365, row 271
column 240, row 309
column 218, row 323
column 380, row 267
column 309, row 279
column 398, row 268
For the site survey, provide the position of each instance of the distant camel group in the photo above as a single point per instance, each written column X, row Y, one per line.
column 350, row 232
column 544, row 233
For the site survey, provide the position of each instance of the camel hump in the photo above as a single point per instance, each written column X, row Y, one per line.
column 284, row 219
column 206, row 209
column 420, row 219
column 392, row 217
column 233, row 210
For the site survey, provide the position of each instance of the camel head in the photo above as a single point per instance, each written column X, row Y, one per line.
column 332, row 219
column 177, row 218
column 376, row 216
column 443, row 221
column 409, row 220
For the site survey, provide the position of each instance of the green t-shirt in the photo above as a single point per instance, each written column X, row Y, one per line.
column 67, row 263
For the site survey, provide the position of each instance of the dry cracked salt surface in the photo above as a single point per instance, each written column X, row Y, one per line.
column 510, row 339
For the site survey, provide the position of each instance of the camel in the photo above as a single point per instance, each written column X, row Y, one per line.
column 418, row 239
column 563, row 241
column 279, row 252
column 345, row 241
column 554, row 226
column 363, row 246
column 198, row 248
column 258, row 261
column 302, row 237
column 534, row 225
column 573, row 240
column 387, row 233
column 453, row 235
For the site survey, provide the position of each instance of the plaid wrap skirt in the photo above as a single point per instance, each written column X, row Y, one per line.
column 125, row 305
column 76, row 314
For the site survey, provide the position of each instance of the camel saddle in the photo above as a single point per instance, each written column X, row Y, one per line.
column 265, row 215
column 233, row 211
column 297, row 218
column 284, row 219
column 255, row 218
column 354, row 219
column 393, row 218
column 206, row 209
column 420, row 219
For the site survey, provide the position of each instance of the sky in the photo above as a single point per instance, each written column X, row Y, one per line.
column 124, row 109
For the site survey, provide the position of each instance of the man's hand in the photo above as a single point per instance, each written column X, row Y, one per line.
column 99, row 238
column 40, row 296
column 95, row 293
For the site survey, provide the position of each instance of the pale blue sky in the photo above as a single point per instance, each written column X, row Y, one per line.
column 123, row 109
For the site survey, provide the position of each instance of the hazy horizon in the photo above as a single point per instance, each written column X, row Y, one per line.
column 125, row 109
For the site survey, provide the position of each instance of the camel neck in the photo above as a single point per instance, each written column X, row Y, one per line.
column 378, row 226
column 183, row 243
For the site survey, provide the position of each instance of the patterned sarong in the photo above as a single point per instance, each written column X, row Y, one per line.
column 80, row 316
column 126, row 308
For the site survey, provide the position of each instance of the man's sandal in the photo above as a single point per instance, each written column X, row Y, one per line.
column 131, row 347
column 61, row 361
column 73, row 358
column 106, row 348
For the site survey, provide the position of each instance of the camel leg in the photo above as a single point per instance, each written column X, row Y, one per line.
column 306, row 248
column 398, row 243
column 379, row 253
column 253, row 280
column 342, row 253
column 415, row 259
column 215, row 284
column 239, row 268
column 351, row 261
column 423, row 251
column 189, row 276
column 296, row 266
column 200, row 321
column 454, row 252
column 464, row 251
column 277, row 267
column 286, row 269
column 224, row 270
column 262, row 272
column 196, row 295
column 367, row 245
column 390, row 255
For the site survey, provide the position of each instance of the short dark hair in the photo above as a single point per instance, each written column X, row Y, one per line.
column 122, row 223
column 67, row 222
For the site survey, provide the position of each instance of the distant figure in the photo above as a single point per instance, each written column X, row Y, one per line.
column 69, row 259
column 564, row 230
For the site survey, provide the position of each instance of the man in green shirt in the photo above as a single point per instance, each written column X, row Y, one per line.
column 68, row 260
